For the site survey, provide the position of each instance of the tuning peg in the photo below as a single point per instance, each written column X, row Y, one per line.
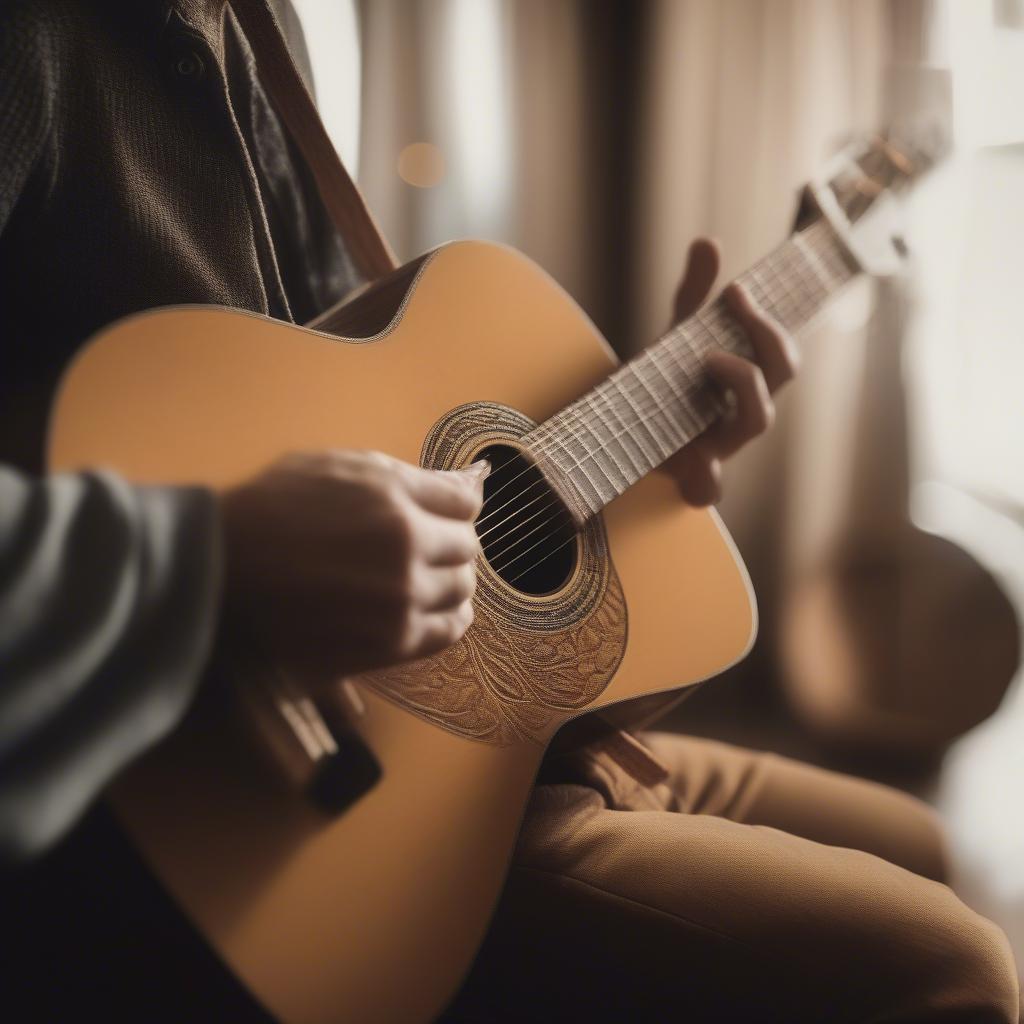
column 868, row 186
column 896, row 156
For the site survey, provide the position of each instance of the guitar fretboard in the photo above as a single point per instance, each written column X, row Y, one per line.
column 654, row 405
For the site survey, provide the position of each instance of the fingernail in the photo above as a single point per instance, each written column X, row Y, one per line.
column 480, row 469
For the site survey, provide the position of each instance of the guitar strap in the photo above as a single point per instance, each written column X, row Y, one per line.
column 287, row 90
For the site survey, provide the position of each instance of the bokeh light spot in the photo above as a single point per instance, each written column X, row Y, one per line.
column 421, row 164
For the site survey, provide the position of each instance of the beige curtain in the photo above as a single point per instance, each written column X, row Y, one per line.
column 496, row 89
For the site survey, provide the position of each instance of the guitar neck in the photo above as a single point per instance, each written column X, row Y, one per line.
column 654, row 405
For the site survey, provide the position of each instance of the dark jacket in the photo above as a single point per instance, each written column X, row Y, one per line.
column 141, row 164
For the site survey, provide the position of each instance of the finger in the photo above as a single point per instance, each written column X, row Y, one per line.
column 442, row 590
column 751, row 411
column 456, row 495
column 698, row 475
column 444, row 542
column 442, row 629
column 702, row 262
column 774, row 347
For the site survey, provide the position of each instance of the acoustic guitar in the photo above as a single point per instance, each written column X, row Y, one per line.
column 356, row 885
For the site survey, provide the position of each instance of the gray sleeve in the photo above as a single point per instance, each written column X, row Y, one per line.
column 108, row 600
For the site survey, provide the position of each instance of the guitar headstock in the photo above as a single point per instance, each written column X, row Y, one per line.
column 880, row 162
column 858, row 195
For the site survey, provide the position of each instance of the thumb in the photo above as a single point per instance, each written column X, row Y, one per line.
column 476, row 473
column 702, row 264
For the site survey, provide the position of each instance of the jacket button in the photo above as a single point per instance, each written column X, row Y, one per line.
column 189, row 65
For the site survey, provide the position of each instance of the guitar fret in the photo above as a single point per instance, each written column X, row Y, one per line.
column 599, row 452
column 591, row 456
column 754, row 283
column 794, row 316
column 722, row 330
column 660, row 401
column 570, row 471
column 809, row 285
column 691, row 337
column 682, row 401
column 633, row 474
column 624, row 432
column 695, row 403
column 616, row 380
column 776, row 294
column 815, row 287
column 651, row 380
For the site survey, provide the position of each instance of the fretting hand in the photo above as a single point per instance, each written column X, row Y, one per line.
column 698, row 467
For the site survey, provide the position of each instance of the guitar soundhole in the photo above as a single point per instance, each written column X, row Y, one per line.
column 527, row 535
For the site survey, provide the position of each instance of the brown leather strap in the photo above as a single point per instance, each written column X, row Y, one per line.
column 295, row 106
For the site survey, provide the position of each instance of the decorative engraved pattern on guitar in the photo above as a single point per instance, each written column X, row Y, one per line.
column 528, row 662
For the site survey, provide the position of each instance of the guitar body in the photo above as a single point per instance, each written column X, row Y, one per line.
column 374, row 914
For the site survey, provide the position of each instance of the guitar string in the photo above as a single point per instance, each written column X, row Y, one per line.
column 800, row 304
column 519, row 540
column 543, row 539
column 555, row 444
column 797, row 269
column 539, row 561
column 559, row 513
column 519, row 511
column 603, row 445
column 843, row 275
column 717, row 317
column 506, row 541
column 693, row 391
column 653, row 406
column 790, row 268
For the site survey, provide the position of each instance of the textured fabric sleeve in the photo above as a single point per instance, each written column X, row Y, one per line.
column 27, row 93
column 108, row 600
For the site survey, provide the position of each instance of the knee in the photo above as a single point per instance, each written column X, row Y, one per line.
column 991, row 974
column 930, row 956
column 970, row 970
column 909, row 833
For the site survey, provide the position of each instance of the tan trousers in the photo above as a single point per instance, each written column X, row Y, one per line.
column 742, row 887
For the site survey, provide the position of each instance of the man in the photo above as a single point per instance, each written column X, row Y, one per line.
column 141, row 164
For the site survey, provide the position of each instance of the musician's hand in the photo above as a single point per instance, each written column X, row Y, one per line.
column 345, row 561
column 698, row 467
